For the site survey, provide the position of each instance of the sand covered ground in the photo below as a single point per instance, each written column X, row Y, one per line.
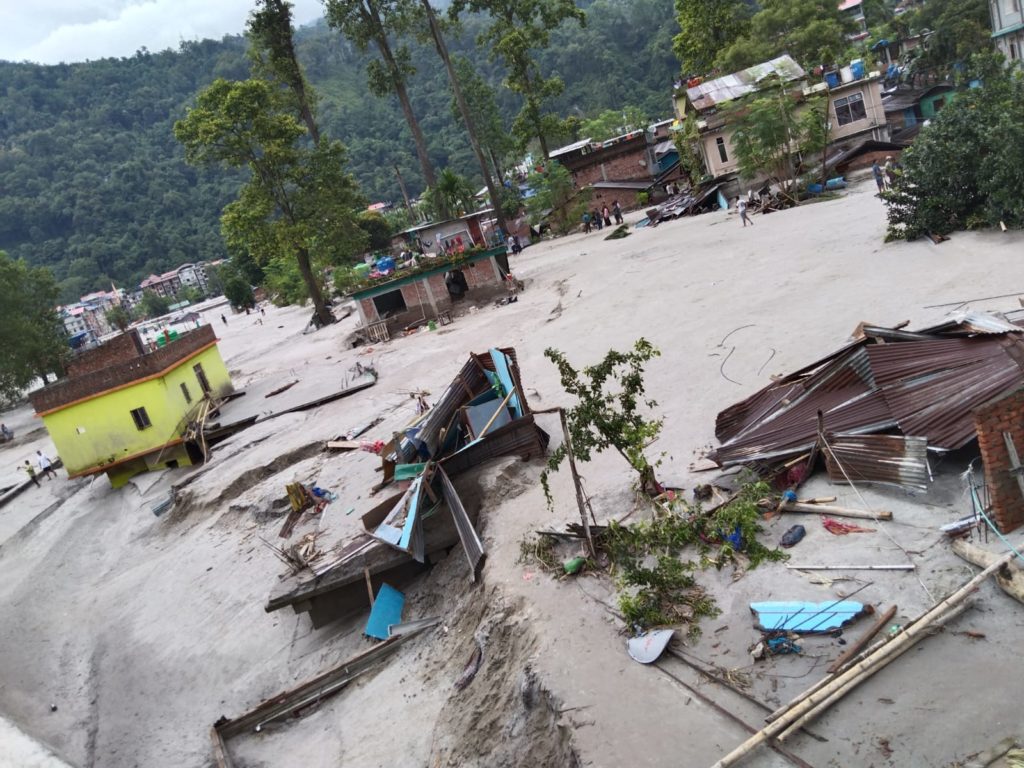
column 143, row 630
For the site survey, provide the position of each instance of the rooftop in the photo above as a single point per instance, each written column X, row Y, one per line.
column 741, row 83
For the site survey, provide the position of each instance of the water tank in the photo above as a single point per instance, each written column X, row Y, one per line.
column 832, row 78
column 858, row 69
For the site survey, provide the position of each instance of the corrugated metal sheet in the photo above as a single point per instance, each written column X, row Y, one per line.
column 889, row 459
column 741, row 83
column 925, row 387
column 471, row 543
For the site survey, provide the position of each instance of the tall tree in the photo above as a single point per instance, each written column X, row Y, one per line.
column 273, row 53
column 31, row 334
column 705, row 28
column 517, row 28
column 811, row 31
column 493, row 190
column 299, row 201
column 494, row 139
column 369, row 21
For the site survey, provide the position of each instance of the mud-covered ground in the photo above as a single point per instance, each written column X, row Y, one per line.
column 143, row 630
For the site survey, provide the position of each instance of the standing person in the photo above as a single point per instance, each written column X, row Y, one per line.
column 7, row 434
column 45, row 465
column 741, row 206
column 224, row 319
column 617, row 211
column 31, row 472
column 876, row 171
column 890, row 172
column 597, row 219
column 607, row 215
column 586, row 223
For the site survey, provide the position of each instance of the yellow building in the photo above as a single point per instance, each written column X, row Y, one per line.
column 125, row 409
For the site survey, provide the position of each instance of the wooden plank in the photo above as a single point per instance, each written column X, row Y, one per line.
column 220, row 749
column 344, row 445
column 829, row 509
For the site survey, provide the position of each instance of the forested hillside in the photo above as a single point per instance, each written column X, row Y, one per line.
column 94, row 186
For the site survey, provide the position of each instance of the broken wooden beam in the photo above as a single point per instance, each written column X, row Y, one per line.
column 834, row 511
column 1010, row 578
column 901, row 567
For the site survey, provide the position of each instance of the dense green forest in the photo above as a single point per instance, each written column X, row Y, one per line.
column 95, row 186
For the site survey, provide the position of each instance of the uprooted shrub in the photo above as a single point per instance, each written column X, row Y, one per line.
column 659, row 588
column 607, row 414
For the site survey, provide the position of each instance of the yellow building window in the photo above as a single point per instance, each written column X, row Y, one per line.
column 141, row 418
column 204, row 383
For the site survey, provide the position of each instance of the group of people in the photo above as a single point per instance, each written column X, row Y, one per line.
column 43, row 466
column 453, row 246
column 596, row 219
column 885, row 175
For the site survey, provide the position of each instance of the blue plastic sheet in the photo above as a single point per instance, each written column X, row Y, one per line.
column 387, row 610
column 796, row 616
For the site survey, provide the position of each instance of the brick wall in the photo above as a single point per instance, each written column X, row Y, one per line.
column 624, row 167
column 120, row 372
column 120, row 348
column 991, row 421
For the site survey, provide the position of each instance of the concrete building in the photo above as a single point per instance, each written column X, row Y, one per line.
column 425, row 294
column 166, row 285
column 855, row 106
column 123, row 409
column 193, row 276
column 1008, row 27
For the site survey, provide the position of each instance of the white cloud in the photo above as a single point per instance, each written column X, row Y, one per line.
column 52, row 31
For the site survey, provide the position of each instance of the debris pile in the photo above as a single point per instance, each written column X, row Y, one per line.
column 875, row 407
column 483, row 414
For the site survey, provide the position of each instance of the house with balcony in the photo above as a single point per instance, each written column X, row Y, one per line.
column 125, row 408
column 1008, row 27
column 854, row 104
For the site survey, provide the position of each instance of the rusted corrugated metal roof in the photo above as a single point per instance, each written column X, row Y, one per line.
column 890, row 459
column 924, row 386
column 730, row 87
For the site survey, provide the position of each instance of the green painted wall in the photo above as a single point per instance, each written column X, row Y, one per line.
column 101, row 430
column 928, row 110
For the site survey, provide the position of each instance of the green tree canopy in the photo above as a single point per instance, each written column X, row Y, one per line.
column 299, row 202
column 615, row 122
column 555, row 198
column 153, row 304
column 965, row 169
column 706, row 27
column 31, row 334
column 517, row 28
column 811, row 31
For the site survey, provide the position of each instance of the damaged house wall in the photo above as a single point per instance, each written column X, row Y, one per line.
column 994, row 422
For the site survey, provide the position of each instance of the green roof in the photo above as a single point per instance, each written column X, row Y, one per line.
column 405, row 277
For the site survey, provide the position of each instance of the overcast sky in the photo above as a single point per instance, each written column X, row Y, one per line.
column 52, row 31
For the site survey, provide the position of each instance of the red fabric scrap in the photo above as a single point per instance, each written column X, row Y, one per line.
column 841, row 529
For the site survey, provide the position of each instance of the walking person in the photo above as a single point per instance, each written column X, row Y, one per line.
column 741, row 206
column 607, row 214
column 890, row 171
column 596, row 217
column 45, row 465
column 31, row 472
column 617, row 211
column 876, row 171
column 586, row 223
column 224, row 319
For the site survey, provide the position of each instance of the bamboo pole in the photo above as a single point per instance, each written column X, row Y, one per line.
column 862, row 641
column 581, row 500
column 494, row 416
column 860, row 671
column 903, row 567
column 870, row 670
column 828, row 509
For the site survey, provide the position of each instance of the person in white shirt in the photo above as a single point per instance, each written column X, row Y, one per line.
column 45, row 465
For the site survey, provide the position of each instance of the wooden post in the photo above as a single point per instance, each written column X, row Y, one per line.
column 828, row 509
column 580, row 499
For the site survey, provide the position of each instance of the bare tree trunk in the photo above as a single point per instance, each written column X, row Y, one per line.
column 320, row 308
column 398, row 81
column 442, row 51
